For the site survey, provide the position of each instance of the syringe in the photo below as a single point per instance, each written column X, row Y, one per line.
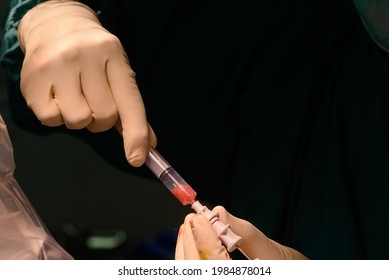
column 186, row 195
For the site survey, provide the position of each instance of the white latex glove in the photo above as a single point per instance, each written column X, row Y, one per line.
column 77, row 73
column 198, row 240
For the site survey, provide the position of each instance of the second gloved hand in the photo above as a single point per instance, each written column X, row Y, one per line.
column 198, row 240
column 76, row 73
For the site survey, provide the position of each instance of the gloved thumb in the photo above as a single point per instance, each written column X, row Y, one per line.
column 197, row 240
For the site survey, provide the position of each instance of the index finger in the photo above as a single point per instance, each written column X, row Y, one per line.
column 130, row 107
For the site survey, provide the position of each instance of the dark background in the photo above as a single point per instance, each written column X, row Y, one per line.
column 81, row 198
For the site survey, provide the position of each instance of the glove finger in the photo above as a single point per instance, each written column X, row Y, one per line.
column 71, row 101
column 179, row 253
column 39, row 97
column 130, row 108
column 152, row 137
column 98, row 94
column 190, row 248
column 207, row 242
column 186, row 245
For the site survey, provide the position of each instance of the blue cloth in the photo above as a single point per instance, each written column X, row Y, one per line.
column 11, row 57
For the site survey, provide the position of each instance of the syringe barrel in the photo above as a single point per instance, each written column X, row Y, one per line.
column 170, row 178
column 156, row 163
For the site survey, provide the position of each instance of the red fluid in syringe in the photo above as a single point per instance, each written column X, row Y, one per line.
column 185, row 194
column 178, row 186
column 170, row 178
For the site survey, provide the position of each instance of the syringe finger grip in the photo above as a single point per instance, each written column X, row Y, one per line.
column 226, row 235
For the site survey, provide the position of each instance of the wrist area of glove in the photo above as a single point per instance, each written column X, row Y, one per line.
column 258, row 246
column 52, row 19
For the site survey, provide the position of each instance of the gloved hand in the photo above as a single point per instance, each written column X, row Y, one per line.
column 76, row 73
column 198, row 240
